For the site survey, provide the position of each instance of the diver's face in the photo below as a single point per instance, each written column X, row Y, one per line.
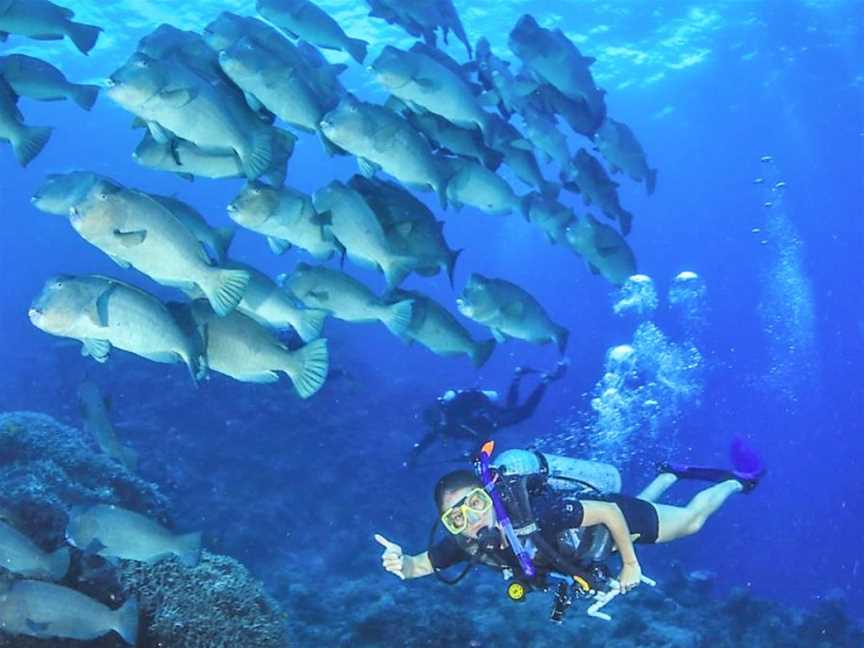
column 476, row 521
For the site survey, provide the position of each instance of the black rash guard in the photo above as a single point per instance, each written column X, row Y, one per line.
column 555, row 513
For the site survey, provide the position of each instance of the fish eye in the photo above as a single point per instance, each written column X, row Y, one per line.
column 103, row 195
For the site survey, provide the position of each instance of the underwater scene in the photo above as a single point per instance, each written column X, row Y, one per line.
column 411, row 323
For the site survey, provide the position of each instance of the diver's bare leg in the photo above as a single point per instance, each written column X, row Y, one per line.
column 681, row 521
column 653, row 491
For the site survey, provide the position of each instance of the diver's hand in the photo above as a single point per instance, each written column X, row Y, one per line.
column 630, row 576
column 392, row 559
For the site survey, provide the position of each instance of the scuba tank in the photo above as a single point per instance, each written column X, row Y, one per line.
column 561, row 473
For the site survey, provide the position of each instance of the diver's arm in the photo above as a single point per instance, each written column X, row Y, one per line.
column 609, row 515
column 417, row 566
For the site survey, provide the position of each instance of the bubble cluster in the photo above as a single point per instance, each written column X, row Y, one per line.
column 637, row 297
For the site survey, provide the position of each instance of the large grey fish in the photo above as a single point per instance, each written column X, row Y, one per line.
column 102, row 313
column 422, row 18
column 585, row 175
column 95, row 408
column 411, row 228
column 307, row 21
column 134, row 229
column 175, row 102
column 27, row 141
column 623, row 152
column 47, row 611
column 269, row 80
column 43, row 20
column 61, row 191
column 550, row 216
column 20, row 555
column 117, row 533
column 285, row 216
column 344, row 297
column 380, row 138
column 272, row 306
column 475, row 185
column 509, row 311
column 555, row 59
column 243, row 349
column 543, row 133
column 37, row 79
column 438, row 330
column 578, row 113
column 355, row 225
column 421, row 81
column 188, row 161
column 495, row 76
column 447, row 137
column 603, row 248
column 520, row 159
column 303, row 59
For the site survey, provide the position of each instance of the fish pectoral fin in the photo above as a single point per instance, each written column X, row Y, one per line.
column 38, row 629
column 131, row 239
column 253, row 101
column 94, row 547
column 424, row 82
column 514, row 309
column 607, row 251
column 99, row 315
column 278, row 246
column 158, row 133
column 46, row 37
column 96, row 349
column 178, row 98
column 500, row 338
column 320, row 295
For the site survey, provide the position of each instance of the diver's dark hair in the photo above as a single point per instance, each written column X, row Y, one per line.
column 454, row 481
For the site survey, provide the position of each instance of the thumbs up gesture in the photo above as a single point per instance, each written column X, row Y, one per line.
column 392, row 559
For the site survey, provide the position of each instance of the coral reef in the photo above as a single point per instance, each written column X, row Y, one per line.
column 216, row 604
column 47, row 467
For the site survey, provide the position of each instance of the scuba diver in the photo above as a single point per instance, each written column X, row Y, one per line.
column 474, row 415
column 522, row 518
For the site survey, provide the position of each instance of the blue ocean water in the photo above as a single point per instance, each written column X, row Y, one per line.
column 296, row 489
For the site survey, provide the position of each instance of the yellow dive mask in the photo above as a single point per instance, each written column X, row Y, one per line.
column 456, row 518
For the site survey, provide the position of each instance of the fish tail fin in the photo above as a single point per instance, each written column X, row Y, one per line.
column 357, row 49
column 58, row 563
column 84, row 36
column 224, row 237
column 258, row 158
column 310, row 324
column 34, row 140
column 189, row 548
column 398, row 316
column 226, row 290
column 127, row 621
column 451, row 265
column 314, row 366
column 651, row 181
column 481, row 352
column 396, row 270
column 85, row 95
column 561, row 336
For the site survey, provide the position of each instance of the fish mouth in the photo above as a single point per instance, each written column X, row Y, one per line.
column 35, row 315
column 231, row 209
column 111, row 82
column 35, row 198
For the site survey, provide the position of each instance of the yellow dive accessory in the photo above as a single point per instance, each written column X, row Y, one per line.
column 455, row 519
